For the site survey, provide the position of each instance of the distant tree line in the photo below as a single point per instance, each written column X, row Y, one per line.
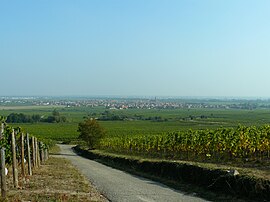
column 35, row 118
column 111, row 116
column 23, row 118
column 108, row 116
column 56, row 118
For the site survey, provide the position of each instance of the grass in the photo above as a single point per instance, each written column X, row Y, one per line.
column 177, row 121
column 53, row 131
column 258, row 171
column 131, row 163
column 50, row 183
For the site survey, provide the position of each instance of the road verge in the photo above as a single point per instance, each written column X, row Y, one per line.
column 55, row 180
column 228, row 182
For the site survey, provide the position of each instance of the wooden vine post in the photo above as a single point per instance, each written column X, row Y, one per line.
column 2, row 130
column 46, row 154
column 28, row 155
column 14, row 160
column 34, row 152
column 3, row 166
column 38, row 153
column 22, row 155
column 42, row 159
column 3, row 174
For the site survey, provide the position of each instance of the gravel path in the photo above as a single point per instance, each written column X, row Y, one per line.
column 120, row 186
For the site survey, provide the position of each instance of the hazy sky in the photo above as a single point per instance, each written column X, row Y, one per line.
column 135, row 47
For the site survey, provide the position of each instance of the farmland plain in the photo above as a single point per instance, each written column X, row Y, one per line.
column 149, row 125
column 170, row 120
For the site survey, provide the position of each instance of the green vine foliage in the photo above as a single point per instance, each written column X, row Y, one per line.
column 243, row 142
column 5, row 141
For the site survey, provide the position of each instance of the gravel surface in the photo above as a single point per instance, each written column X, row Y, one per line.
column 120, row 186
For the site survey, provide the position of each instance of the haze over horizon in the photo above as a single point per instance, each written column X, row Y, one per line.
column 135, row 48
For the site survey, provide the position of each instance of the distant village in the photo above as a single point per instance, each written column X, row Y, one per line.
column 135, row 103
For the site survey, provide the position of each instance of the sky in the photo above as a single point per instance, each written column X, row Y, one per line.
column 135, row 48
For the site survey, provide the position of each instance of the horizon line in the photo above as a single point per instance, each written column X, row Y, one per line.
column 136, row 96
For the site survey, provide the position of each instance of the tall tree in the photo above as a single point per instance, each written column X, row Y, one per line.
column 91, row 132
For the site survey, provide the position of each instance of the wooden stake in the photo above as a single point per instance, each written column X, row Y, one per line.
column 38, row 153
column 3, row 173
column 33, row 152
column 42, row 153
column 3, row 165
column 14, row 160
column 2, row 130
column 36, row 148
column 22, row 155
column 46, row 154
column 28, row 155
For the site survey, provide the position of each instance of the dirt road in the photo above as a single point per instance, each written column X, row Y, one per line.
column 120, row 186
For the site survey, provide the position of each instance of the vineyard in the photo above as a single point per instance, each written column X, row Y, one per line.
column 6, row 139
column 16, row 149
column 249, row 143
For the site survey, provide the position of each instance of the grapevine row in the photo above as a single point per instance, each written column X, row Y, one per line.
column 222, row 143
column 14, row 149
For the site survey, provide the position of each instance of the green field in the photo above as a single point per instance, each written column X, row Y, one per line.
column 176, row 120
